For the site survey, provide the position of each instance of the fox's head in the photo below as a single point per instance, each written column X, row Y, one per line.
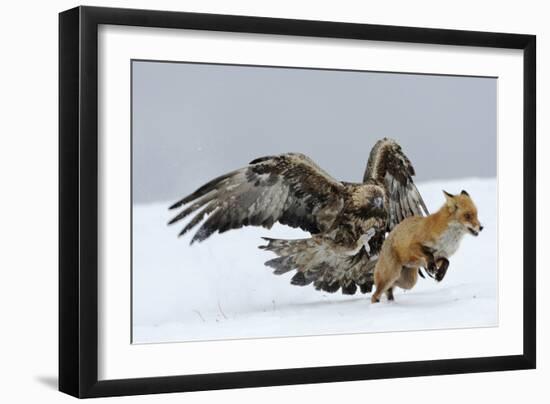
column 463, row 211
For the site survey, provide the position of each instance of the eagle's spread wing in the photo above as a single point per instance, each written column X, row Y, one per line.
column 289, row 188
column 388, row 165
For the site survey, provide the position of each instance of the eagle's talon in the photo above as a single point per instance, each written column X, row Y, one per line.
column 365, row 238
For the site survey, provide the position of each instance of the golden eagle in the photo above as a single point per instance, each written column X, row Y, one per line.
column 347, row 221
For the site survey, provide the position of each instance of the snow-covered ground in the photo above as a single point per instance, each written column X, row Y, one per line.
column 220, row 288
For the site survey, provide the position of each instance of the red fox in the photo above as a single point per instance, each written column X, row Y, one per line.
column 424, row 242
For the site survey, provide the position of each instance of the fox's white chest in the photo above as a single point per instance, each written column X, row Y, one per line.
column 449, row 241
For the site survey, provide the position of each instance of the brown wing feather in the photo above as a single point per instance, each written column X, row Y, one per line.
column 290, row 189
column 388, row 165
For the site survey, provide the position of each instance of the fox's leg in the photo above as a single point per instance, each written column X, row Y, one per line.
column 386, row 271
column 422, row 256
column 384, row 277
column 389, row 294
column 428, row 252
column 382, row 285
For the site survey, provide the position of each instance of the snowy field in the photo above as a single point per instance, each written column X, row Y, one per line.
column 220, row 288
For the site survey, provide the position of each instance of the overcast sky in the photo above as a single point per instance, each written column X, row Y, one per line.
column 193, row 122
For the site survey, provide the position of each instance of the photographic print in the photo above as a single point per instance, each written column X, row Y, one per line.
column 271, row 201
column 248, row 201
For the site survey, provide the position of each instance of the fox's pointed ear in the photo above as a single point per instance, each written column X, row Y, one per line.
column 447, row 195
column 464, row 193
column 449, row 200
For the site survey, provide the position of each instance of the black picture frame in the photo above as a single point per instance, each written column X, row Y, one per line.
column 78, row 201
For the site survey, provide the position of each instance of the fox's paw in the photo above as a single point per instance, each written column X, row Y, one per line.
column 442, row 266
column 432, row 267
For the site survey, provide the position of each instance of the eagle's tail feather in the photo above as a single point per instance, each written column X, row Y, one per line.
column 281, row 264
column 315, row 264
